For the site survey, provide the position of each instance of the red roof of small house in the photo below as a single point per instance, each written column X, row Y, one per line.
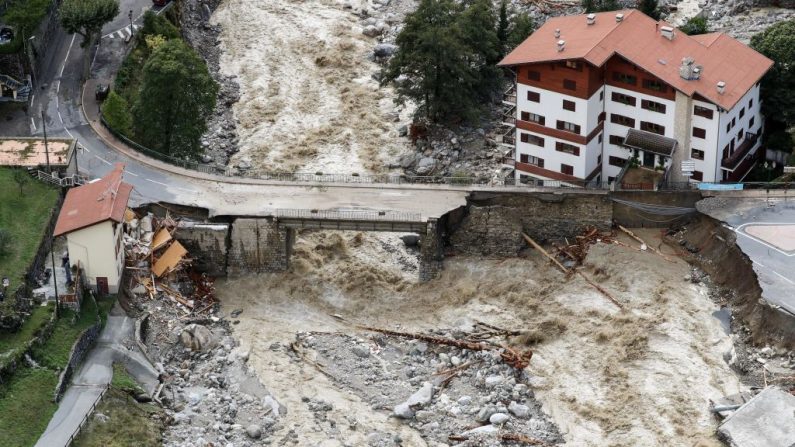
column 94, row 202
column 638, row 39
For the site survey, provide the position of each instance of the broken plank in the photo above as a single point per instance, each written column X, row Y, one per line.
column 637, row 238
column 544, row 252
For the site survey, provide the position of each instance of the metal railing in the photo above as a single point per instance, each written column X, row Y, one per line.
column 732, row 161
column 387, row 216
column 63, row 182
column 83, row 421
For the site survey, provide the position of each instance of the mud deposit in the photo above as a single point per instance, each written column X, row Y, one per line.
column 642, row 376
column 308, row 100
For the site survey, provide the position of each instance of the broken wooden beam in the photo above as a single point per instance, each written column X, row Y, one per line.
column 544, row 252
column 637, row 238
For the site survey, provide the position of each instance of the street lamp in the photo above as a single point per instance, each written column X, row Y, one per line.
column 46, row 148
column 132, row 30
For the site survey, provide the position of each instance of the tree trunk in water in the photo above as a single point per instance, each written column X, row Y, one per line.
column 87, row 56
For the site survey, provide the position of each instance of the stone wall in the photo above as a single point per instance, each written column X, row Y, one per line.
column 79, row 350
column 258, row 245
column 431, row 251
column 634, row 218
column 207, row 244
column 494, row 222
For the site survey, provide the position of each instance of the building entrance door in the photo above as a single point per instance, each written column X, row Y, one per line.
column 102, row 285
column 648, row 159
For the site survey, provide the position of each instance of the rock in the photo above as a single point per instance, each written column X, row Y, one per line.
column 455, row 360
column 371, row 31
column 403, row 411
column 518, row 410
column 484, row 430
column 499, row 418
column 410, row 240
column 384, row 50
column 424, row 415
column 403, row 131
column 464, row 401
column 207, row 158
column 197, row 338
column 254, row 431
column 361, row 351
column 422, row 396
column 485, row 413
column 244, row 165
column 493, row 381
column 426, row 166
column 101, row 418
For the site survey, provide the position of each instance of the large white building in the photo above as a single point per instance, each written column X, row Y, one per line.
column 594, row 91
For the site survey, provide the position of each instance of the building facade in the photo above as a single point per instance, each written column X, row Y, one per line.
column 595, row 94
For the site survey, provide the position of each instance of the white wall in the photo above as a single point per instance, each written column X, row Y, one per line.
column 709, row 144
column 95, row 248
column 740, row 123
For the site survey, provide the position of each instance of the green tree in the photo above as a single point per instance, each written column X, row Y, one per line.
column 599, row 5
column 156, row 25
column 650, row 8
column 21, row 178
column 476, row 29
column 778, row 85
column 503, row 27
column 430, row 65
column 696, row 25
column 521, row 27
column 86, row 18
column 116, row 112
column 176, row 96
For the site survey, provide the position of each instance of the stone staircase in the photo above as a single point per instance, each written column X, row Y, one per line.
column 23, row 89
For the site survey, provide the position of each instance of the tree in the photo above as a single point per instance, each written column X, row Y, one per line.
column 156, row 25
column 503, row 27
column 430, row 65
column 476, row 29
column 176, row 96
column 778, row 85
column 116, row 112
column 86, row 18
column 21, row 178
column 521, row 27
column 599, row 5
column 650, row 8
column 696, row 25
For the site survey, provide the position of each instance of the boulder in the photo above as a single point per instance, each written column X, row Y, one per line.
column 518, row 410
column 426, row 165
column 410, row 240
column 499, row 418
column 384, row 50
column 254, row 431
column 371, row 31
column 197, row 338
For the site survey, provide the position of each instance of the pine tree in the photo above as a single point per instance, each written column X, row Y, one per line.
column 475, row 27
column 503, row 27
column 588, row 6
column 521, row 27
column 650, row 8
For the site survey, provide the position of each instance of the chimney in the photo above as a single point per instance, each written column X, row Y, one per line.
column 686, row 70
column 619, row 18
column 557, row 32
column 590, row 19
column 667, row 32
column 696, row 73
column 561, row 45
column 721, row 87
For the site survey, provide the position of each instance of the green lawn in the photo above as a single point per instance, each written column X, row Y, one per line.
column 25, row 217
column 122, row 380
column 129, row 423
column 26, row 406
column 9, row 343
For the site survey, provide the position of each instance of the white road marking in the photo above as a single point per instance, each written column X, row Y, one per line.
column 67, row 55
column 153, row 181
column 105, row 161
column 33, row 98
column 131, row 173
column 774, row 272
column 127, row 31
column 33, row 123
column 121, row 35
column 739, row 230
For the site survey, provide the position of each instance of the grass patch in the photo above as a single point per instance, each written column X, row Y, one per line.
column 26, row 406
column 11, row 342
column 25, row 217
column 123, row 381
column 128, row 423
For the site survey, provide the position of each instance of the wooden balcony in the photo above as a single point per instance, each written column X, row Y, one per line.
column 734, row 160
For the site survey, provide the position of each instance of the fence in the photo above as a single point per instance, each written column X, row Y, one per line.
column 86, row 416
column 348, row 215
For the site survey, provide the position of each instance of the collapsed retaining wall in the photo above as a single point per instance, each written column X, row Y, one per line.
column 718, row 254
column 208, row 244
column 493, row 222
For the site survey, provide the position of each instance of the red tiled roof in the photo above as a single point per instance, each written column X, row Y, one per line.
column 94, row 202
column 637, row 38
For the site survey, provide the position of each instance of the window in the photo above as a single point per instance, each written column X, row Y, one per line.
column 615, row 139
column 652, row 127
column 533, row 118
column 569, row 105
column 533, row 75
column 654, row 85
column 734, row 121
column 602, row 95
column 616, row 161
column 750, row 103
column 533, row 96
column 751, row 123
column 652, row 105
column 696, row 154
column 623, row 99
column 568, row 84
column 566, row 169
column 531, row 139
column 622, row 120
column 740, row 135
column 602, row 116
column 742, row 112
column 625, row 78
column 699, row 132
column 600, row 139
column 697, row 175
column 599, row 159
column 529, row 159
column 567, row 148
column 610, row 179
column 702, row 111
column 568, row 127
column 728, row 127
column 574, row 65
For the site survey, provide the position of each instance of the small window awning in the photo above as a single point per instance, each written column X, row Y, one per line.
column 650, row 142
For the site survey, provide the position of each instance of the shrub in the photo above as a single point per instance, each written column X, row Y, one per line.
column 116, row 112
column 155, row 25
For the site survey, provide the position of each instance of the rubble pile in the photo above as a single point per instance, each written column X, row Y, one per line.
column 451, row 395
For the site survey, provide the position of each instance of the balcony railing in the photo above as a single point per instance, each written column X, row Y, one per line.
column 740, row 152
column 508, row 159
column 509, row 97
column 509, row 116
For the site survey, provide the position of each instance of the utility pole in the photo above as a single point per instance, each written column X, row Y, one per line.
column 132, row 30
column 46, row 148
column 77, row 152
column 54, row 277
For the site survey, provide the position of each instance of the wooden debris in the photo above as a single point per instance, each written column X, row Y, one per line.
column 544, row 252
column 524, row 439
column 634, row 236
